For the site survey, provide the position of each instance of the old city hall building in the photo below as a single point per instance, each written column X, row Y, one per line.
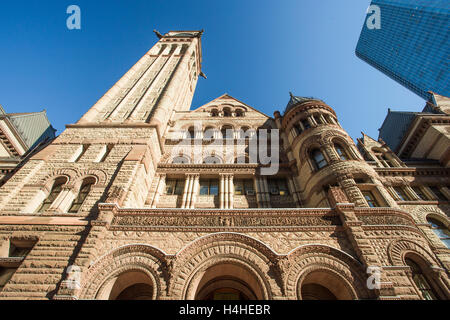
column 140, row 200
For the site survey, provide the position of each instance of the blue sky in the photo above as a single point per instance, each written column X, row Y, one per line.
column 255, row 50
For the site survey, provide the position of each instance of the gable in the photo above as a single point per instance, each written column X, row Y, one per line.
column 225, row 101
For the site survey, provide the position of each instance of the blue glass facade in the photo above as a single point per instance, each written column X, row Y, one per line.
column 412, row 44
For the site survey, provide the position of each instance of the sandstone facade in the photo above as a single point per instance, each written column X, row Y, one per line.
column 138, row 201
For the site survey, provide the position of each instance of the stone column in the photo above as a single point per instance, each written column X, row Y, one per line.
column 186, row 190
column 221, row 191
column 195, row 190
column 231, row 191
column 257, row 185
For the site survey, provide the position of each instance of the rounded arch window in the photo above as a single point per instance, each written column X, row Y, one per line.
column 214, row 113
column 227, row 132
column 212, row 160
column 82, row 195
column 226, row 112
column 239, row 113
column 209, row 133
column 342, row 153
column 191, row 133
column 420, row 280
column 318, row 158
column 440, row 230
column 54, row 193
column 180, row 160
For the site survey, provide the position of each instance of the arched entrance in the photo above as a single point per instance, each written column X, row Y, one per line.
column 324, row 285
column 228, row 281
column 130, row 285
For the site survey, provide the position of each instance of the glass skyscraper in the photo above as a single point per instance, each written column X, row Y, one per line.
column 412, row 44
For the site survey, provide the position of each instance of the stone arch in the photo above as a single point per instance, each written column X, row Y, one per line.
column 398, row 249
column 423, row 213
column 70, row 174
column 100, row 176
column 141, row 258
column 330, row 262
column 230, row 249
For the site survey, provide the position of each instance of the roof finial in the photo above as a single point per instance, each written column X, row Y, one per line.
column 159, row 35
column 291, row 94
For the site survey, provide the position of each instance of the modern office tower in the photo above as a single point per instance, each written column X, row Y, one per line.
column 410, row 44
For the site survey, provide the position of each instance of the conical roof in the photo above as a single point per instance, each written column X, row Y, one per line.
column 294, row 100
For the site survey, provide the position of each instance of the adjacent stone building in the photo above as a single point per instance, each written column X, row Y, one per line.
column 144, row 198
column 21, row 135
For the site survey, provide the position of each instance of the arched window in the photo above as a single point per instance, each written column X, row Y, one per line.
column 227, row 132
column 318, row 158
column 211, row 160
column 341, row 152
column 209, row 133
column 420, row 280
column 180, row 160
column 298, row 129
column 56, row 190
column 239, row 113
column 440, row 230
column 82, row 195
column 306, row 124
column 191, row 133
column 214, row 113
column 226, row 112
column 317, row 119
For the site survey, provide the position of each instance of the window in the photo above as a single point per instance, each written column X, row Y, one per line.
column 174, row 187
column 319, row 159
column 80, row 153
column 214, row 113
column 420, row 193
column 317, row 118
column 370, row 199
column 180, row 160
column 298, row 129
column 5, row 275
column 212, row 160
column 401, row 194
column 227, row 132
column 244, row 187
column 440, row 230
column 439, row 195
column 18, row 251
column 107, row 152
column 191, row 133
column 209, row 187
column 226, row 112
column 306, row 124
column 239, row 113
column 278, row 187
column 54, row 193
column 82, row 195
column 341, row 152
column 209, row 133
column 420, row 280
